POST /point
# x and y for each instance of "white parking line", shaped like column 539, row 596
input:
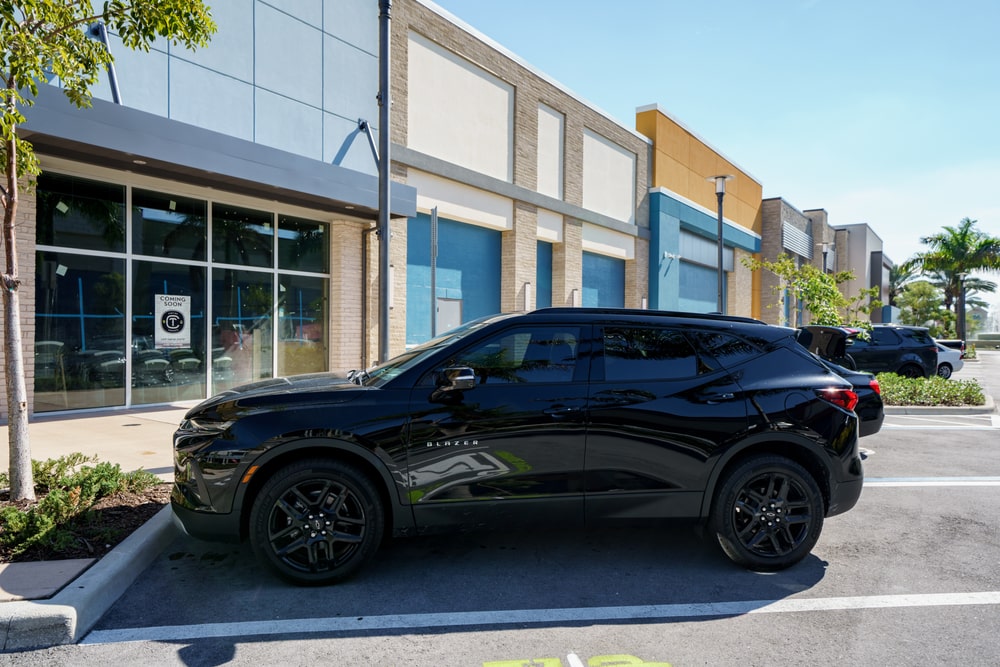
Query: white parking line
column 395, row 622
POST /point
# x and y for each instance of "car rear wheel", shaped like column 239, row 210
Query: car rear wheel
column 768, row 513
column 944, row 370
column 316, row 522
column 911, row 371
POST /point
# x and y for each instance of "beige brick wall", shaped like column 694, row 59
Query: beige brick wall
column 530, row 91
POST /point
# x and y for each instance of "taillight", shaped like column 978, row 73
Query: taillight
column 844, row 398
column 873, row 383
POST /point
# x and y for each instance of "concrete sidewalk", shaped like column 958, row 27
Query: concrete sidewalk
column 38, row 607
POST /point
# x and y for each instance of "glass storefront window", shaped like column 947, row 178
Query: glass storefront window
column 168, row 332
column 241, row 327
column 78, row 213
column 303, row 245
column 168, row 226
column 80, row 346
column 94, row 350
column 242, row 236
column 302, row 324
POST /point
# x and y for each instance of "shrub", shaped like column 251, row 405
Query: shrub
column 897, row 390
column 69, row 489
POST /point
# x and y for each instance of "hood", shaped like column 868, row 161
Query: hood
column 315, row 387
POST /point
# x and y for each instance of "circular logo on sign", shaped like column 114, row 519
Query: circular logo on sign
column 172, row 321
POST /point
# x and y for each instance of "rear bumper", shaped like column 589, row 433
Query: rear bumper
column 845, row 495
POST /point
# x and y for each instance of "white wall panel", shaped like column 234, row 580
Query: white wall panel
column 551, row 130
column 604, row 241
column 608, row 178
column 458, row 112
column 550, row 226
column 461, row 202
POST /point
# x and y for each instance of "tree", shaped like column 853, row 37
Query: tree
column 818, row 291
column 920, row 304
column 957, row 252
column 43, row 40
column 900, row 276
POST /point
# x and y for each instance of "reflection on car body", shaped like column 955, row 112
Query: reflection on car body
column 564, row 416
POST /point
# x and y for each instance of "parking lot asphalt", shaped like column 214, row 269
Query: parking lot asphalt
column 71, row 601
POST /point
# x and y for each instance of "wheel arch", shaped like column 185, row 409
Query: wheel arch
column 397, row 517
column 791, row 448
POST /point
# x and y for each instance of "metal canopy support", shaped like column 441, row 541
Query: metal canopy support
column 99, row 32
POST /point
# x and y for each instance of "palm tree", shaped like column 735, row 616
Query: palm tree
column 954, row 254
column 900, row 276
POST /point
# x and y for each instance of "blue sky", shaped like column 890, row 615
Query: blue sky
column 879, row 111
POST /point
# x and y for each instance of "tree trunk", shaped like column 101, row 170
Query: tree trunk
column 22, row 484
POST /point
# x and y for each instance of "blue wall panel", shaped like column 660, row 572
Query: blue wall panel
column 543, row 275
column 603, row 281
column 468, row 268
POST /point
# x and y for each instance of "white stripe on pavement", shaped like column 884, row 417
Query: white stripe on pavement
column 309, row 626
column 932, row 481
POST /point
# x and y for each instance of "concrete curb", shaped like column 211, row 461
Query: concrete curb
column 987, row 408
column 75, row 610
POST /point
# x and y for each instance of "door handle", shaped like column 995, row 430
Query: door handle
column 715, row 399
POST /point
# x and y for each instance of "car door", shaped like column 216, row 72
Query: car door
column 879, row 354
column 510, row 449
column 659, row 408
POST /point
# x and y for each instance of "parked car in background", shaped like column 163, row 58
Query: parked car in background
column 955, row 344
column 561, row 416
column 829, row 345
column 949, row 360
column 893, row 348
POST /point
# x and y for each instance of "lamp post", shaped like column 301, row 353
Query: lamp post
column 720, row 192
column 960, row 324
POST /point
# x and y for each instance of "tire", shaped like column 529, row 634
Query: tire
column 316, row 522
column 944, row 370
column 911, row 371
column 768, row 513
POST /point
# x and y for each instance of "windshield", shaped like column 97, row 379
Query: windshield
column 379, row 375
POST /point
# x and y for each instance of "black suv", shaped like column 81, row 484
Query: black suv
column 893, row 348
column 566, row 416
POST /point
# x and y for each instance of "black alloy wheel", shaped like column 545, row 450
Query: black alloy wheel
column 316, row 522
column 768, row 513
column 911, row 371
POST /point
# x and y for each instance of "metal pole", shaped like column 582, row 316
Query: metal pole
column 434, row 256
column 720, row 306
column 961, row 307
column 385, row 104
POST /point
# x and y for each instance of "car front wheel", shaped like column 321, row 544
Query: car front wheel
column 316, row 522
column 768, row 513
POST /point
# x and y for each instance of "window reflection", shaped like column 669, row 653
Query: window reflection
column 79, row 213
column 241, row 327
column 168, row 226
column 242, row 236
column 302, row 245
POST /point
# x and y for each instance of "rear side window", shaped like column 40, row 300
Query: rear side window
column 919, row 336
column 648, row 353
column 882, row 336
column 726, row 349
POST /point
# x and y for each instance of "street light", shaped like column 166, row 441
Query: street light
column 720, row 192
column 960, row 325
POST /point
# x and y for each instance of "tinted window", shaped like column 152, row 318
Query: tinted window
column 882, row 336
column 653, row 353
column 727, row 350
column 919, row 336
column 537, row 354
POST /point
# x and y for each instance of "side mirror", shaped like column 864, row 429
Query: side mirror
column 458, row 378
